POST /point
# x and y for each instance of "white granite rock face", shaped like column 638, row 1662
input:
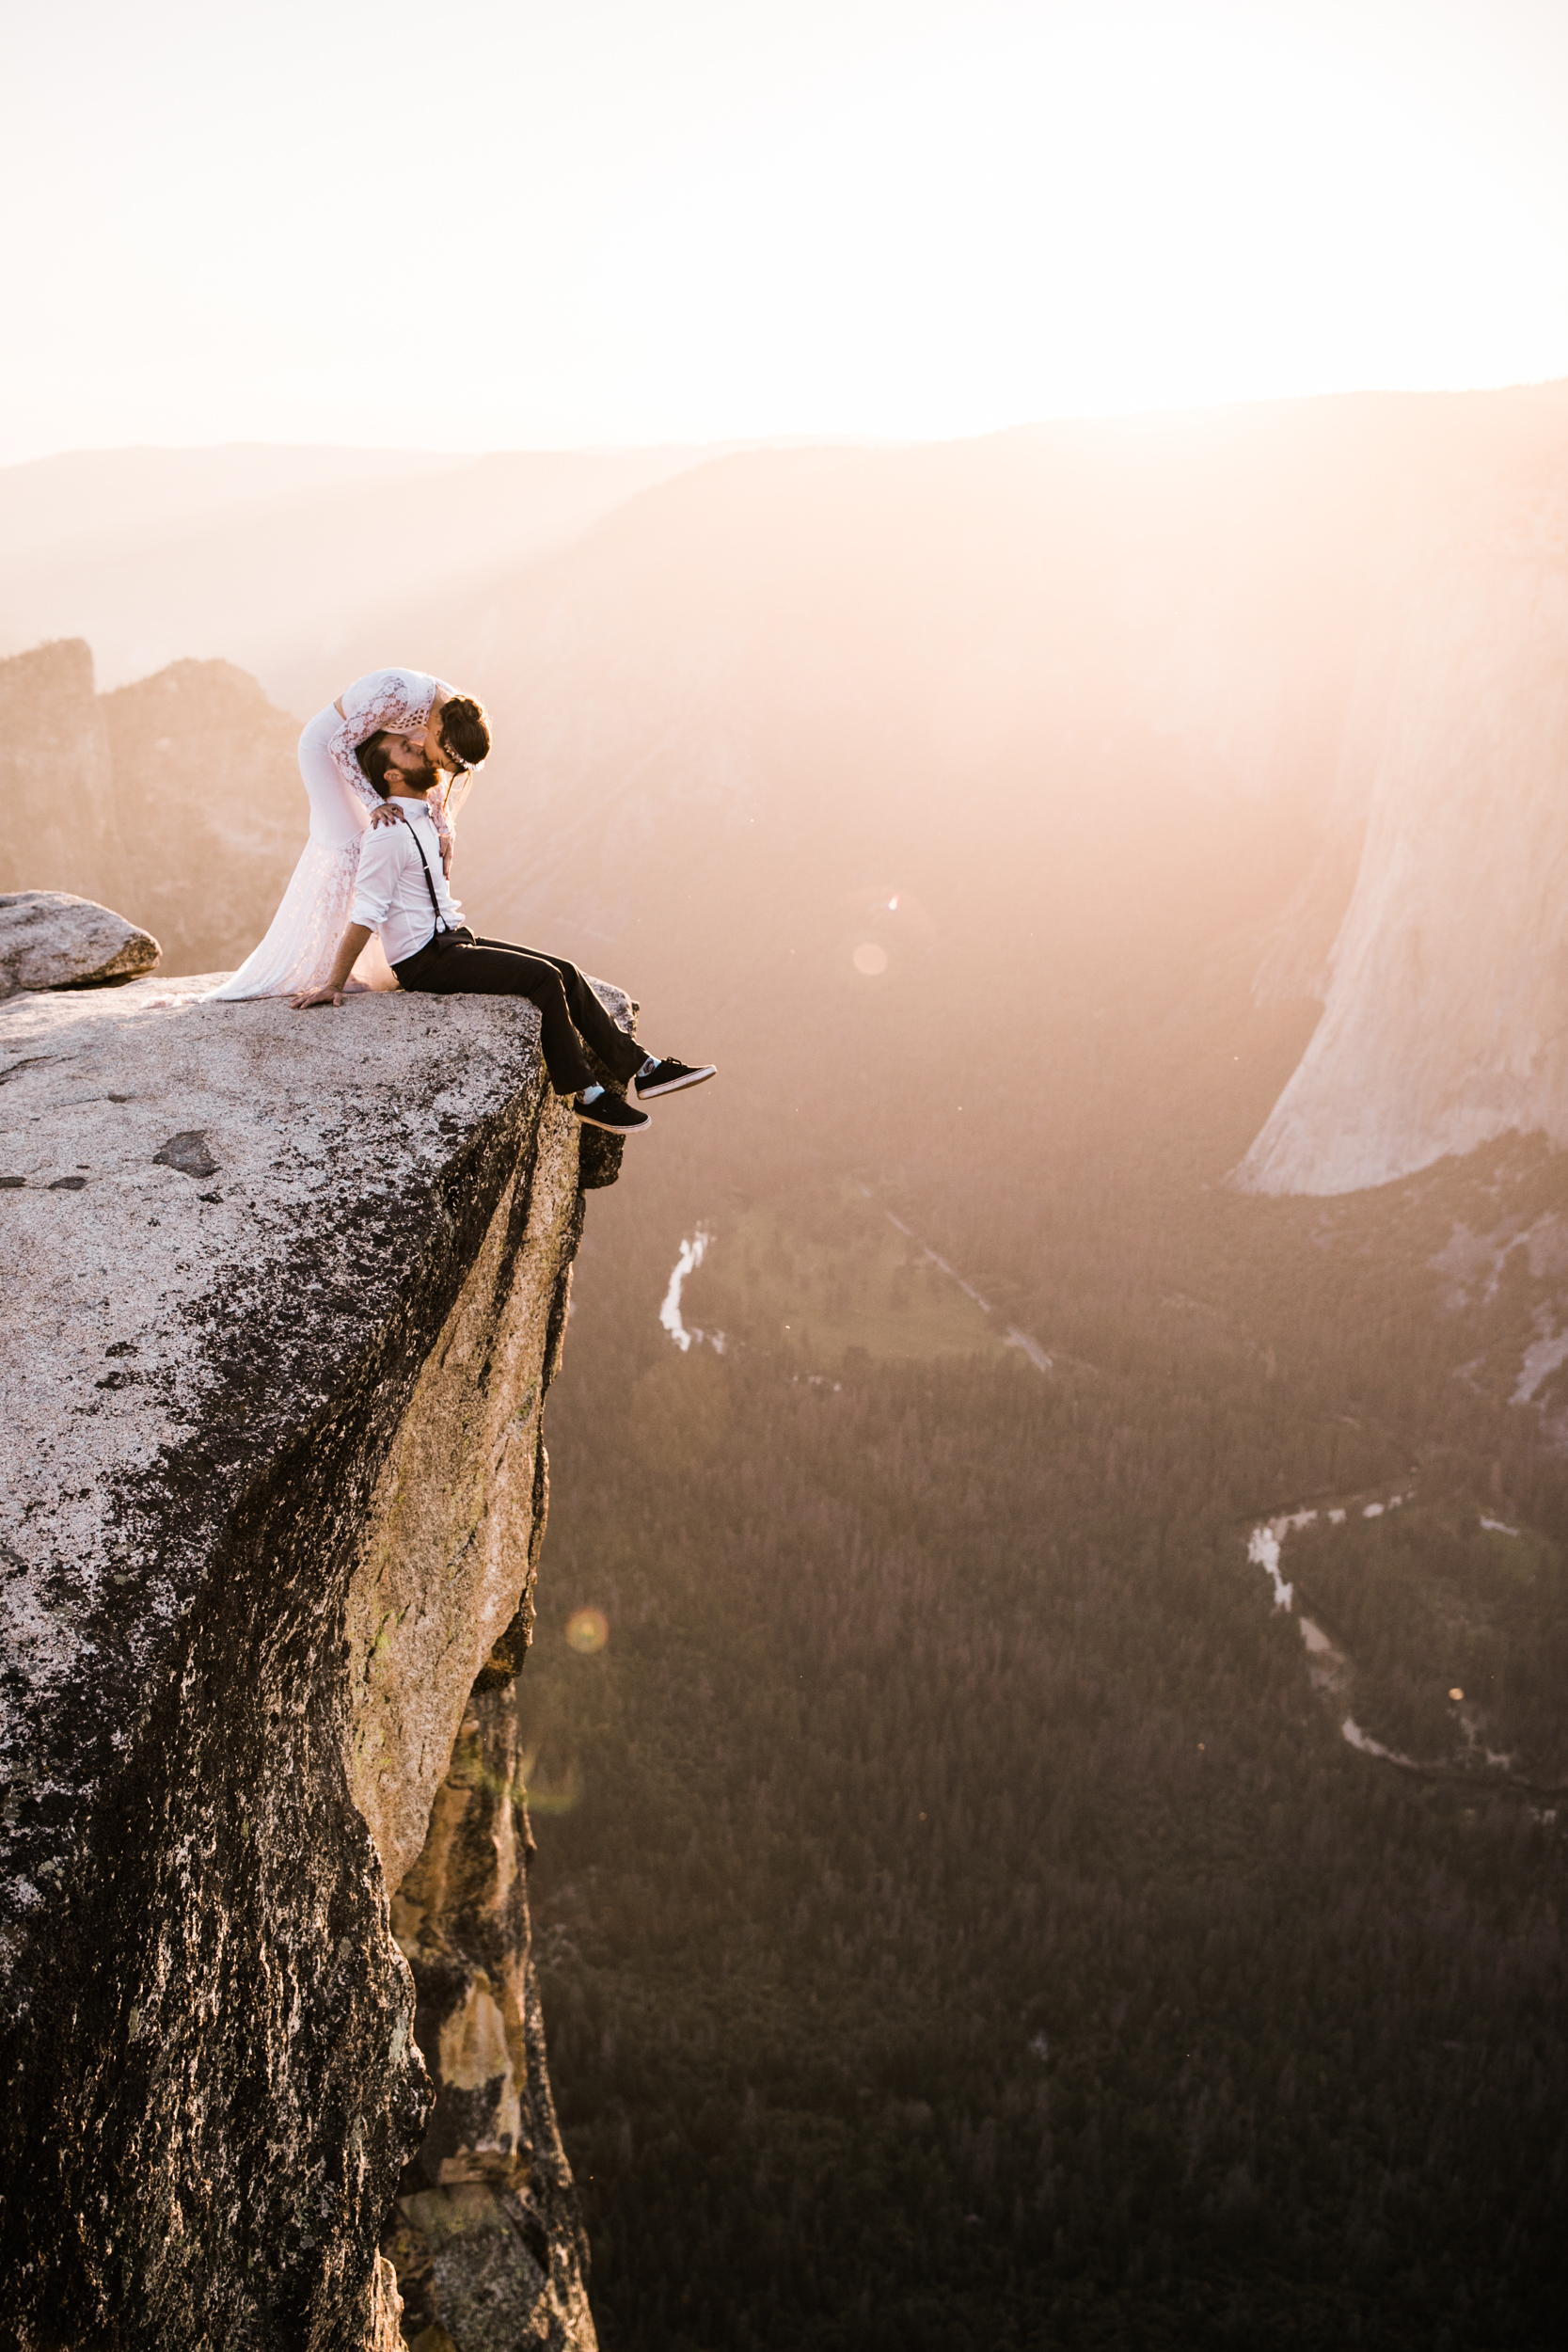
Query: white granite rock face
column 48, row 939
column 1445, row 1017
column 284, row 1294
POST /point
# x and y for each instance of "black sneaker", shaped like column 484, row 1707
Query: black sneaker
column 609, row 1111
column 669, row 1076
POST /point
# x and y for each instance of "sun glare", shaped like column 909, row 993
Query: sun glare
column 696, row 223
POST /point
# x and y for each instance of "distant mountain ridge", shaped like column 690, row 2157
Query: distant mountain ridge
column 1238, row 736
column 274, row 558
column 1283, row 685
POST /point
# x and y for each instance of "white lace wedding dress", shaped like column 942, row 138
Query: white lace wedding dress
column 302, row 938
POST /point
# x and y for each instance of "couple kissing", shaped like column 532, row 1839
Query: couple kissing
column 387, row 768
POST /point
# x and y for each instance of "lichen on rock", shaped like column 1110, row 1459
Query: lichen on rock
column 276, row 1487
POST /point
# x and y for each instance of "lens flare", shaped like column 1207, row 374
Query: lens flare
column 587, row 1629
column 1456, row 1693
column 870, row 959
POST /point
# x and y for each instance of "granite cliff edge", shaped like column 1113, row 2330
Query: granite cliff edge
column 284, row 1294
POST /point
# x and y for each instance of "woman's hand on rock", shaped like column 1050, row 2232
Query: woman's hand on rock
column 316, row 996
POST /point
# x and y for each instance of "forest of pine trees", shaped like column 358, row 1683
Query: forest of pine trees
column 961, row 1921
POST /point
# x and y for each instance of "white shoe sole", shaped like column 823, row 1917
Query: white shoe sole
column 676, row 1086
column 611, row 1126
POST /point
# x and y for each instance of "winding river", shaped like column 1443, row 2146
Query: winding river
column 692, row 1251
column 694, row 1248
column 1329, row 1666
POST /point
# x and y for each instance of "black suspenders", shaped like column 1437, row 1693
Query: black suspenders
column 442, row 926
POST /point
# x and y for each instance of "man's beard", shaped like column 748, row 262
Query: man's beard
column 418, row 776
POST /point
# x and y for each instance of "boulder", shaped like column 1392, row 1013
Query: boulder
column 48, row 939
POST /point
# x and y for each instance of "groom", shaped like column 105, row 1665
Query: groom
column 402, row 892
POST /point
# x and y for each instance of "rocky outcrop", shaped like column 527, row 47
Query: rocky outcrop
column 209, row 806
column 51, row 940
column 285, row 1294
column 179, row 798
column 56, row 781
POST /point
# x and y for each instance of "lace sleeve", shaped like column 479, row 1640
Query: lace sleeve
column 400, row 699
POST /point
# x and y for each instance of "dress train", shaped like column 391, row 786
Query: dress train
column 301, row 941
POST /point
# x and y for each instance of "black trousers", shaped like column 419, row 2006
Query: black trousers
column 458, row 964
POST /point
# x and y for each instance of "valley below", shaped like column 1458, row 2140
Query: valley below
column 1116, row 870
column 953, row 1803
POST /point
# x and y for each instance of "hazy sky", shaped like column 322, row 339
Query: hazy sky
column 502, row 222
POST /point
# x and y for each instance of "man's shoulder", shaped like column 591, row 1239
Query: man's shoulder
column 388, row 844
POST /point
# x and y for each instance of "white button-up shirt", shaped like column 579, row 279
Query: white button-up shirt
column 389, row 894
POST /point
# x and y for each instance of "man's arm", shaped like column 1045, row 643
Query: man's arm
column 355, row 938
column 382, row 857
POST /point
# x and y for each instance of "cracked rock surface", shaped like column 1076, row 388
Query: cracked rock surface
column 284, row 1295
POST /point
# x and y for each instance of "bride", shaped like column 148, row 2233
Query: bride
column 429, row 715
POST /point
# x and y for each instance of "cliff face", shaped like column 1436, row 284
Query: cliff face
column 177, row 799
column 55, row 775
column 485, row 2236
column 1445, row 988
column 285, row 1294
column 210, row 807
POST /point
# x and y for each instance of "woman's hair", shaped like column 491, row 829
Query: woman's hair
column 464, row 731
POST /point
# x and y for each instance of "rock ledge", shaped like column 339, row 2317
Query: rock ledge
column 285, row 1294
